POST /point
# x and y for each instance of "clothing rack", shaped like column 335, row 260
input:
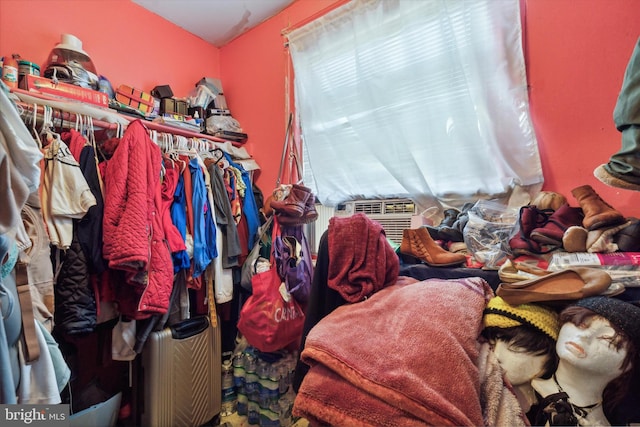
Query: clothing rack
column 69, row 119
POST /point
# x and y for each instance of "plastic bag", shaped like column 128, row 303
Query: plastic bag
column 201, row 96
column 488, row 230
column 222, row 123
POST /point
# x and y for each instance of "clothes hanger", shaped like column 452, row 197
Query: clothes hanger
column 46, row 129
column 35, row 133
column 91, row 134
column 153, row 136
column 165, row 147
column 217, row 154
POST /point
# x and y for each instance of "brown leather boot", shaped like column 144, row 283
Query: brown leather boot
column 310, row 214
column 418, row 243
column 552, row 232
column 597, row 212
column 530, row 218
column 294, row 204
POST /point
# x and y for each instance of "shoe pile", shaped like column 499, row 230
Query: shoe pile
column 573, row 229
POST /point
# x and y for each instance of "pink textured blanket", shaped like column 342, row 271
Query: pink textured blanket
column 407, row 353
column 361, row 260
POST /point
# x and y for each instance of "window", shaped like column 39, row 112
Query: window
column 424, row 99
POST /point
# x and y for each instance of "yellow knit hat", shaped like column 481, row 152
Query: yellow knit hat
column 502, row 315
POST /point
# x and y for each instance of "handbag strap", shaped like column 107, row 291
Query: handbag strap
column 275, row 231
column 262, row 232
column 23, row 285
column 289, row 150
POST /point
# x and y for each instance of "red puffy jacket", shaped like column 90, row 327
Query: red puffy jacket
column 134, row 238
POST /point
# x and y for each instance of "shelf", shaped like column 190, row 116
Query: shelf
column 104, row 118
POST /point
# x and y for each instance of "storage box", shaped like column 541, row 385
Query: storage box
column 135, row 98
column 173, row 106
column 33, row 83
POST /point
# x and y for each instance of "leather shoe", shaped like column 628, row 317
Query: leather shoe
column 568, row 284
column 628, row 239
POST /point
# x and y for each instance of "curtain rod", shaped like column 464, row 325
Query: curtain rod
column 285, row 32
column 60, row 114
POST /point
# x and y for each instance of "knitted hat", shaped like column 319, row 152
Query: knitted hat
column 624, row 315
column 502, row 315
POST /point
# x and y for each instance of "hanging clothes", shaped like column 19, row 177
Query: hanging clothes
column 134, row 237
column 249, row 208
column 169, row 184
column 178, row 212
column 65, row 193
column 20, row 159
column 89, row 228
column 204, row 233
column 231, row 249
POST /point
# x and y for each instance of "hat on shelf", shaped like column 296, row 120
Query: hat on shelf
column 71, row 42
column 70, row 49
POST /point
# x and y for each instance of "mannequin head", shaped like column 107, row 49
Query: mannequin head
column 602, row 334
column 523, row 338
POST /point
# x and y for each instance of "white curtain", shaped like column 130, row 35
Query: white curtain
column 425, row 99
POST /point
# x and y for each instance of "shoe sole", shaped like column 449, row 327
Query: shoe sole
column 411, row 259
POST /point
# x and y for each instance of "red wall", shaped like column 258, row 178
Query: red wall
column 576, row 55
column 127, row 44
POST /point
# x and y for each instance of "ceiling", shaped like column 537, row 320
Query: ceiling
column 215, row 21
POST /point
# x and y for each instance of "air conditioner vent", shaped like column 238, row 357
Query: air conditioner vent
column 400, row 207
column 393, row 214
column 368, row 207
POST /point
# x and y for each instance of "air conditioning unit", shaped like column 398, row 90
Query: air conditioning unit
column 393, row 214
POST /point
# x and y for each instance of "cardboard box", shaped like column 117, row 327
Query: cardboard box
column 46, row 86
column 136, row 98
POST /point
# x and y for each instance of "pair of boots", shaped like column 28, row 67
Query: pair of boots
column 297, row 208
column 542, row 231
column 530, row 218
column 417, row 244
column 451, row 228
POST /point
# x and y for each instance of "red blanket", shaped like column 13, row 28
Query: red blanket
column 362, row 261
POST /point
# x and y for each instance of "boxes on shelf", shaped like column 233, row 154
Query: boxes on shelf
column 135, row 98
column 173, row 106
column 43, row 85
